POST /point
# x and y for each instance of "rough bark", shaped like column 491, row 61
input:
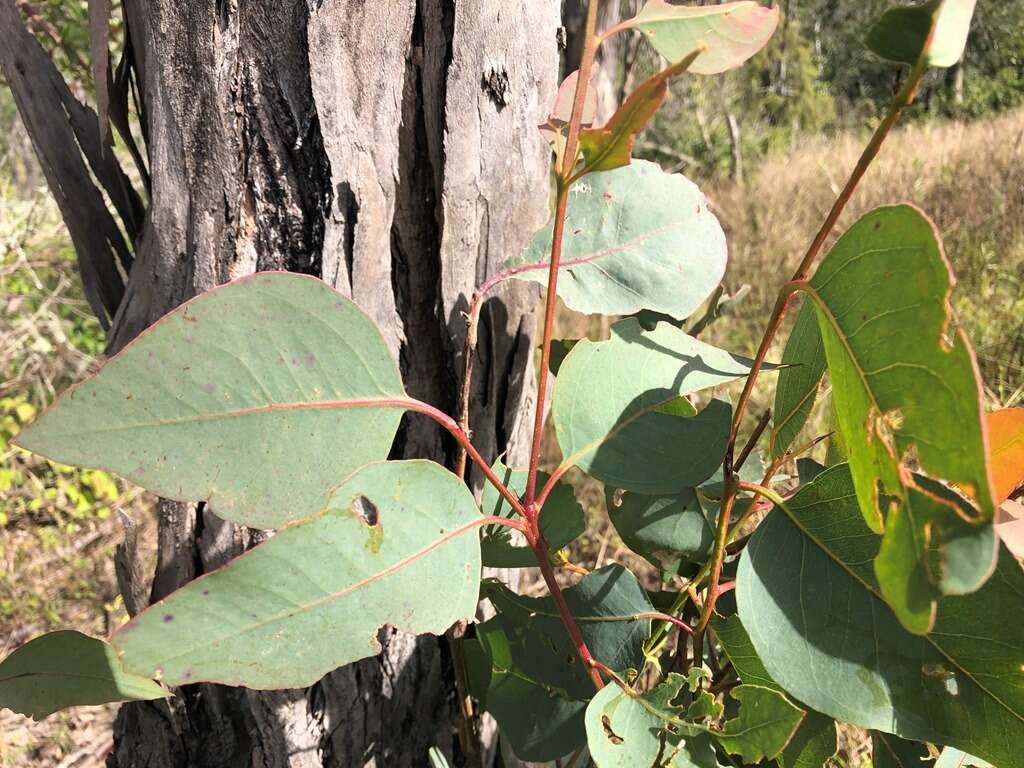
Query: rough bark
column 66, row 139
column 388, row 147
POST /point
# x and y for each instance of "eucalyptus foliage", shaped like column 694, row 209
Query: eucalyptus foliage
column 872, row 591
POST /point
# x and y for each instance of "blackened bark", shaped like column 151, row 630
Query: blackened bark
column 390, row 148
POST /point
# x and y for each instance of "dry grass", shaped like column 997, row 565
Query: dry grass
column 968, row 177
column 57, row 530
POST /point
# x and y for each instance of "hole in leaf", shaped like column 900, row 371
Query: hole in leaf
column 947, row 677
column 365, row 510
column 606, row 724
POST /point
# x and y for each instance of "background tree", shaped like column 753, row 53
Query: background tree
column 388, row 148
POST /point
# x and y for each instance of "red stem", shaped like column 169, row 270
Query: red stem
column 540, row 549
column 669, row 618
column 561, row 205
column 442, row 418
column 545, row 358
column 901, row 101
column 560, row 470
column 499, row 520
column 718, row 556
column 531, row 510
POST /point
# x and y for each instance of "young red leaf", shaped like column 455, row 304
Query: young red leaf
column 1006, row 451
column 553, row 129
column 611, row 147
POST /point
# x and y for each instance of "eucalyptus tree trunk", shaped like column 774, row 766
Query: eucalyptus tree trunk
column 386, row 146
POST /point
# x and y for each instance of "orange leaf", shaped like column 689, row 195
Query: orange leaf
column 1006, row 451
column 1010, row 527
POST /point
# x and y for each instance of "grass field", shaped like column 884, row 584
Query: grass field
column 58, row 526
column 968, row 178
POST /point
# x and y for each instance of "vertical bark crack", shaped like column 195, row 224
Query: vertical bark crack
column 416, row 233
column 285, row 163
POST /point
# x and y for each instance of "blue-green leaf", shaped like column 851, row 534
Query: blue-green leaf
column 808, row 598
column 397, row 544
column 257, row 397
column 65, row 669
column 635, row 238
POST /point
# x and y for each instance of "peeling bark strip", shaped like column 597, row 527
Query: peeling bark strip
column 386, row 146
column 62, row 130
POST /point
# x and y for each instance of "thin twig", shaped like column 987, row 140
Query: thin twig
column 715, row 571
column 899, row 103
column 561, row 206
column 754, row 437
column 530, row 509
column 902, row 100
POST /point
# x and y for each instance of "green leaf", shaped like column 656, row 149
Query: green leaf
column 609, row 414
column 730, row 33
column 540, row 723
column 799, row 379
column 808, row 597
column 737, row 646
column 538, row 687
column 889, row 751
column 238, row 398
column 666, row 530
column 65, row 669
column 905, row 34
column 813, row 745
column 605, row 603
column 765, row 725
column 625, row 731
column 928, row 550
column 635, row 238
column 705, row 707
column 561, row 519
column 611, row 146
column 906, row 392
column 808, row 469
column 816, row 740
column 395, row 545
column 560, row 349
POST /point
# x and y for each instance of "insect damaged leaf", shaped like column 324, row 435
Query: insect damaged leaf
column 813, row 608
column 906, row 394
column 397, row 544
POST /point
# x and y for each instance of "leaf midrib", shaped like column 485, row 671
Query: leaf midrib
column 391, row 402
column 303, row 608
column 609, row 251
